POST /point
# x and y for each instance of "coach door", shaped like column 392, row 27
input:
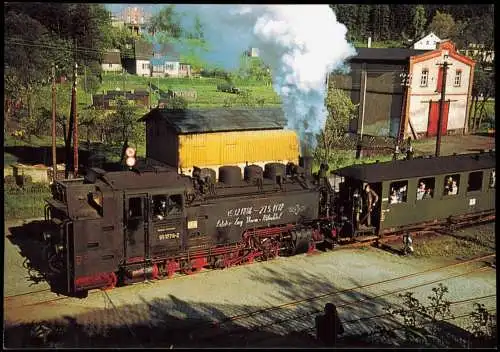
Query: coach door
column 136, row 226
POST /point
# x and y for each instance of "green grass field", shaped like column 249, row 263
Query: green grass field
column 206, row 89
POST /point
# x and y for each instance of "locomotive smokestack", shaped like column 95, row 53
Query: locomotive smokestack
column 306, row 162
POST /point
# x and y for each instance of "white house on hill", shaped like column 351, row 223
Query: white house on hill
column 429, row 42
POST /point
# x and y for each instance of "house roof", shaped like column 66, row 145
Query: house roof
column 143, row 50
column 166, row 52
column 418, row 167
column 219, row 119
column 424, row 36
column 385, row 54
column 111, row 57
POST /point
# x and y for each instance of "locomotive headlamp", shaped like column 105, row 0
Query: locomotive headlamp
column 130, row 153
column 130, row 161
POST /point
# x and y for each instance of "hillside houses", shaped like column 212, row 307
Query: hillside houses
column 145, row 59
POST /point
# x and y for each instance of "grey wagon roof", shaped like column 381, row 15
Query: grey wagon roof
column 219, row 119
column 418, row 167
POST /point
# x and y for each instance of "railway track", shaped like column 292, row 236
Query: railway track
column 299, row 315
column 46, row 296
column 279, row 316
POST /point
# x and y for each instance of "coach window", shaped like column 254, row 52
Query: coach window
column 398, row 192
column 425, row 188
column 134, row 207
column 475, row 181
column 451, row 185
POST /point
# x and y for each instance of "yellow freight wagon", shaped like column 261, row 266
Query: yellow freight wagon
column 215, row 137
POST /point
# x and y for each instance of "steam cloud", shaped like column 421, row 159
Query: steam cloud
column 301, row 44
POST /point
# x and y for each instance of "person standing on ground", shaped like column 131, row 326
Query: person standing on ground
column 329, row 326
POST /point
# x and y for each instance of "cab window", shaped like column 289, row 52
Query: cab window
column 492, row 179
column 135, row 207
column 95, row 200
column 166, row 205
column 475, row 181
column 451, row 185
column 398, row 192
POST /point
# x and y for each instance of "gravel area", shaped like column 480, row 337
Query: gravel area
column 359, row 281
column 217, row 295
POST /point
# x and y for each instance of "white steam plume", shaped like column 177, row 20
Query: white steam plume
column 301, row 44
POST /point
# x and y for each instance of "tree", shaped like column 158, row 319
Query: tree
column 341, row 111
column 443, row 25
column 167, row 21
column 419, row 21
column 482, row 87
column 198, row 30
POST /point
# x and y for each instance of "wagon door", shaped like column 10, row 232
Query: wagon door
column 136, row 226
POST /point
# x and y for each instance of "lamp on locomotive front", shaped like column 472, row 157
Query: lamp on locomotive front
column 130, row 154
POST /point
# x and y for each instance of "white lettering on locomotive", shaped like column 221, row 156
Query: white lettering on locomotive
column 168, row 236
column 268, row 212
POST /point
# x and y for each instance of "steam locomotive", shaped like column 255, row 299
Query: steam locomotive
column 116, row 228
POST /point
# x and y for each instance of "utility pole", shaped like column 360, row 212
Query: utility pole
column 361, row 115
column 54, row 148
column 445, row 65
column 75, row 125
column 85, row 77
column 123, row 79
column 405, row 83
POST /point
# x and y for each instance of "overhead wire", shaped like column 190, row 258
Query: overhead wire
column 337, row 292
column 357, row 302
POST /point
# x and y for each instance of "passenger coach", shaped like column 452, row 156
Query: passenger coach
column 419, row 191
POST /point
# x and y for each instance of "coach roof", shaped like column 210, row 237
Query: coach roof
column 219, row 119
column 418, row 167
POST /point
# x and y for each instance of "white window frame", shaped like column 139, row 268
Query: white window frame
column 458, row 78
column 424, row 78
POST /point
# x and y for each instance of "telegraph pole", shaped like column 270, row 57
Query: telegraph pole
column 54, row 148
column 445, row 65
column 75, row 125
column 361, row 115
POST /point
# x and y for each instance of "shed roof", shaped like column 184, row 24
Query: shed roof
column 111, row 57
column 418, row 167
column 219, row 119
column 385, row 54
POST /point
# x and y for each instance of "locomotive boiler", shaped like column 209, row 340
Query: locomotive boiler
column 115, row 228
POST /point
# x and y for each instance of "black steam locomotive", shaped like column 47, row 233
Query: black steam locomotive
column 120, row 227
